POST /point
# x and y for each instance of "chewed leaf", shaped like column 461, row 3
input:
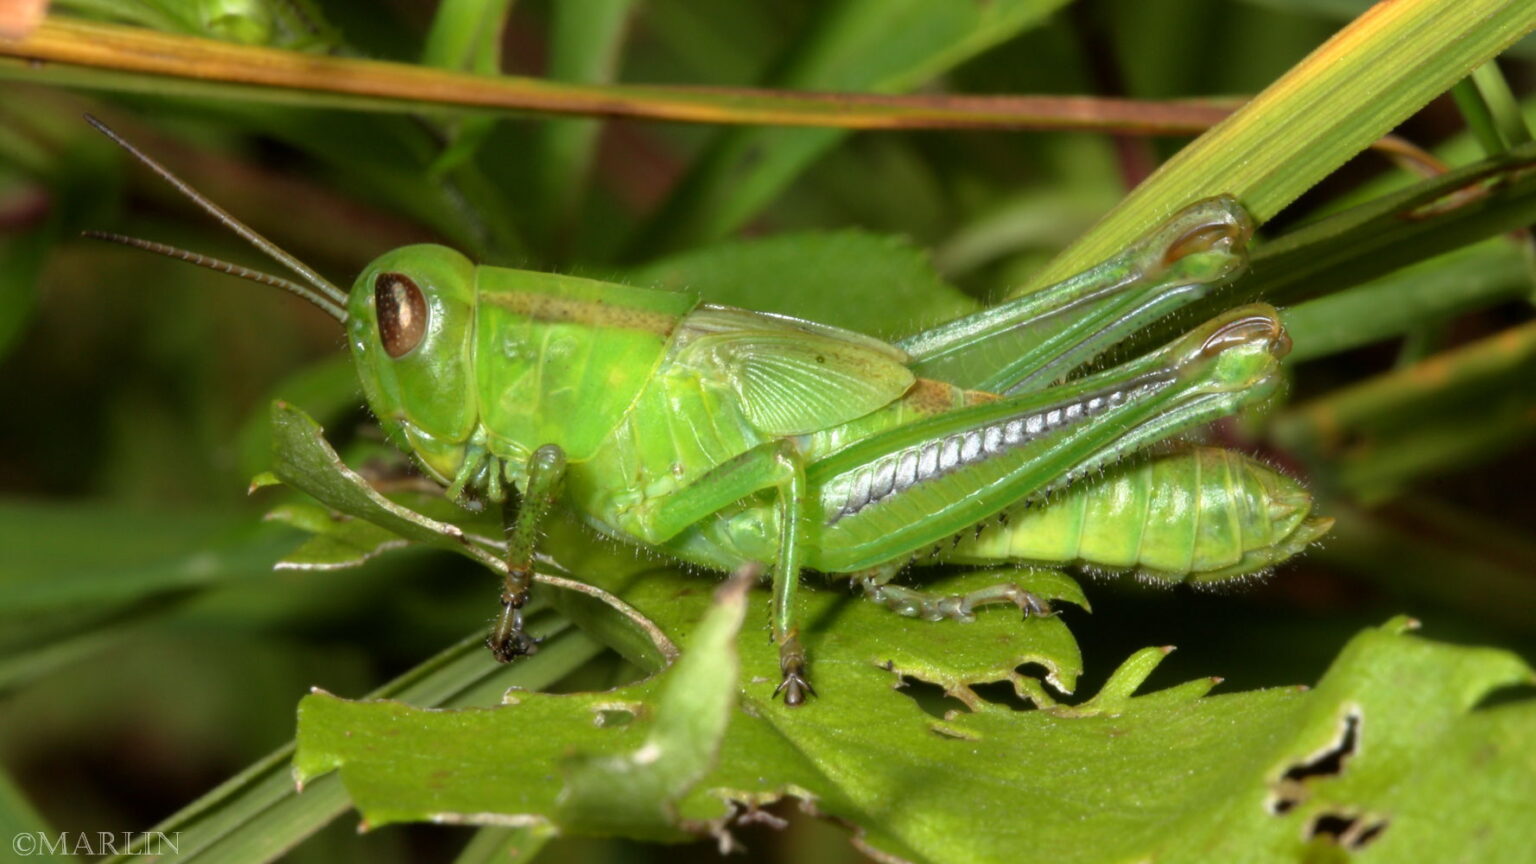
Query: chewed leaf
column 1123, row 683
column 620, row 775
column 957, row 655
column 692, row 709
column 1167, row 775
column 1273, row 775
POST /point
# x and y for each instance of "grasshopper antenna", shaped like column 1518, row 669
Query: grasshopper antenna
column 323, row 294
column 322, row 300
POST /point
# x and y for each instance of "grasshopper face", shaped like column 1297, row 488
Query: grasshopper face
column 410, row 322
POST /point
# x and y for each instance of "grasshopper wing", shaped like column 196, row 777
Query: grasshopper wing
column 793, row 382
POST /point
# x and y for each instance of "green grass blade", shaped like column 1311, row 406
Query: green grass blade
column 64, row 559
column 466, row 34
column 496, row 845
column 1481, row 379
column 1474, row 109
column 1368, row 78
column 22, row 828
column 1478, row 277
column 257, row 815
column 1501, row 101
column 1343, row 10
column 585, row 40
column 1366, row 242
column 881, row 46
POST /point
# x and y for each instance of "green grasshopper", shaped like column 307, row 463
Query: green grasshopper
column 721, row 436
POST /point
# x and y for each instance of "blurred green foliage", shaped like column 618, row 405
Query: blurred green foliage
column 148, row 651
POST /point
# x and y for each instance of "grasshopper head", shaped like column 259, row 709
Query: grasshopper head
column 410, row 322
column 409, row 318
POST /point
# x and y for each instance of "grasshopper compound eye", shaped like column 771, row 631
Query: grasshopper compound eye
column 402, row 313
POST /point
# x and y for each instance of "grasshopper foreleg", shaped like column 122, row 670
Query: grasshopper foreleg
column 546, row 470
column 936, row 607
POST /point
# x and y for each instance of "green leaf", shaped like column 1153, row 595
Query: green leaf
column 867, row 645
column 585, row 41
column 303, row 460
column 883, row 286
column 635, row 793
column 653, row 741
column 1272, row 775
column 336, row 542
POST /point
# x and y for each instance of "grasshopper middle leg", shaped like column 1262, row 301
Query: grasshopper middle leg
column 776, row 465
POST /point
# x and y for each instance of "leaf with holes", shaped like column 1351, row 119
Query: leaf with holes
column 1270, row 775
column 624, row 757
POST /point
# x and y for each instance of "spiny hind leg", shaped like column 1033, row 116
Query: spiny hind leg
column 935, row 606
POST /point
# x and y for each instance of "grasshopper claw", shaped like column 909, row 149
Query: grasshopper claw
column 795, row 688
column 517, row 645
column 1034, row 606
column 793, row 684
column 508, row 641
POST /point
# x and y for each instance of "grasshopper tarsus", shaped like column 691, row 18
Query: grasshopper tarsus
column 795, row 688
column 508, row 641
column 793, row 683
column 1034, row 606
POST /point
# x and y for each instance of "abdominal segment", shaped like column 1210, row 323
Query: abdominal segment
column 1201, row 515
